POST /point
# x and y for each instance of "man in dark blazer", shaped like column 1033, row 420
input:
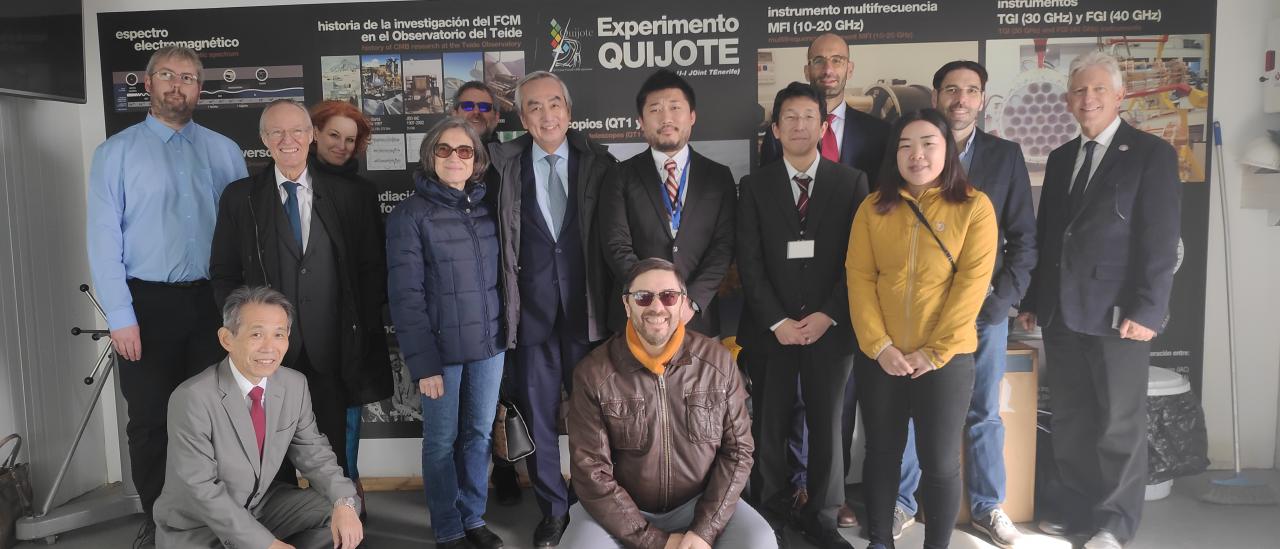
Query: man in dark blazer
column 670, row 202
column 996, row 167
column 793, row 233
column 230, row 428
column 855, row 139
column 553, row 278
column 1107, row 232
column 312, row 236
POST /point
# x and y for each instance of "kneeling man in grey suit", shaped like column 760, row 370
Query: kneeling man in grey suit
column 229, row 429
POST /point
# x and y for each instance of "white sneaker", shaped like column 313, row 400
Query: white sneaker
column 1103, row 540
column 997, row 526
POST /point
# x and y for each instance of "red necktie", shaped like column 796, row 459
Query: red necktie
column 259, row 417
column 802, row 204
column 673, row 188
column 830, row 150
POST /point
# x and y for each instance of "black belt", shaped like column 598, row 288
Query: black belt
column 183, row 284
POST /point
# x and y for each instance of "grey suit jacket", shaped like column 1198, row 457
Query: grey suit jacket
column 214, row 479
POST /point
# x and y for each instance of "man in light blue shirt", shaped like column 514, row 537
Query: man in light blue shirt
column 152, row 201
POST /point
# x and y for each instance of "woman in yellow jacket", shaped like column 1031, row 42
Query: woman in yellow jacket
column 921, row 253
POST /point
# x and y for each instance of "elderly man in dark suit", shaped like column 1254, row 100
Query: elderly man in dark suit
column 855, row 139
column 553, row 278
column 793, row 235
column 670, row 202
column 1107, row 232
column 996, row 167
column 310, row 235
column 230, row 428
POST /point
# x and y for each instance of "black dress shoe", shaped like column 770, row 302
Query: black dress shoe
column 460, row 543
column 1058, row 527
column 483, row 538
column 548, row 532
column 506, row 487
column 822, row 537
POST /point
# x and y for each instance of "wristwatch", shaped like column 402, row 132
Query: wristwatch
column 349, row 502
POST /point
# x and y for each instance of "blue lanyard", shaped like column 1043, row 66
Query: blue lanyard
column 673, row 211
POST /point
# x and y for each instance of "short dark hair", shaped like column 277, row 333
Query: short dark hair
column 954, row 186
column 426, row 151
column 663, row 79
column 472, row 85
column 252, row 295
column 974, row 66
column 799, row 90
column 650, row 264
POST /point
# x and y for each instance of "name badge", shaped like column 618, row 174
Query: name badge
column 800, row 249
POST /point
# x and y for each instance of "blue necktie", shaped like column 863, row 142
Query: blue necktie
column 557, row 195
column 291, row 209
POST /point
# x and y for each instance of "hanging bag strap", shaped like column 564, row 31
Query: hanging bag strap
column 924, row 220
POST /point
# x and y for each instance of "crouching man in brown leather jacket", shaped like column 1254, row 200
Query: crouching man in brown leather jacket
column 659, row 436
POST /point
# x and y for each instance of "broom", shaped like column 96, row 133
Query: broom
column 1239, row 489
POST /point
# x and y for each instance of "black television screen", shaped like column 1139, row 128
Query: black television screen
column 42, row 50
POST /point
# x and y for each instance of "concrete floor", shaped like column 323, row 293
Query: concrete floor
column 400, row 520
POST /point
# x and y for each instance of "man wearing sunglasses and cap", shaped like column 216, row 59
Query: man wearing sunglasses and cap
column 659, row 435
column 475, row 103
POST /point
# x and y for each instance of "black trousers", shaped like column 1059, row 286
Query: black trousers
column 179, row 332
column 1098, row 394
column 937, row 402
column 821, row 373
column 329, row 403
column 541, row 371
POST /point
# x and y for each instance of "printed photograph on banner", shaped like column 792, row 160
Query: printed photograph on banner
column 502, row 69
column 340, row 78
column 880, row 84
column 399, row 416
column 460, row 68
column 1166, row 80
column 423, row 83
column 381, row 85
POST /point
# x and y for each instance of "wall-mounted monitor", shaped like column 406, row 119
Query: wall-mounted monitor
column 42, row 50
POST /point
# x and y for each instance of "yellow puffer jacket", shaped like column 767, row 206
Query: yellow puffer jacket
column 901, row 288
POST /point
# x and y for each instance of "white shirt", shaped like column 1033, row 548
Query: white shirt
column 542, row 180
column 245, row 386
column 305, row 194
column 811, row 171
column 837, row 125
column 1103, row 141
column 682, row 163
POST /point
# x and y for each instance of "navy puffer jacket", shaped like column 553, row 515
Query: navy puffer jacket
column 442, row 277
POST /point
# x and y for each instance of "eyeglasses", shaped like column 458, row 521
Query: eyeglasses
column 644, row 298
column 296, row 133
column 186, row 78
column 836, row 61
column 469, row 106
column 464, row 151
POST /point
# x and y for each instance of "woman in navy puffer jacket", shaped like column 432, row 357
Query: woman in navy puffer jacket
column 442, row 284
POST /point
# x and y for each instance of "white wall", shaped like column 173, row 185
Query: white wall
column 1237, row 103
column 42, row 254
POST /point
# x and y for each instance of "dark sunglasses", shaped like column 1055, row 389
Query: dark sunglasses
column 464, row 151
column 469, row 106
column 644, row 298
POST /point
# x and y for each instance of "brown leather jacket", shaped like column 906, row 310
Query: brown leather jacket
column 640, row 441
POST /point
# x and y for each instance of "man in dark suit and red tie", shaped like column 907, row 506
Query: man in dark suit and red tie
column 794, row 218
column 670, row 202
column 1107, row 232
column 855, row 139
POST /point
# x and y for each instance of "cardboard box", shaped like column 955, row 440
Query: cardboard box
column 1019, row 392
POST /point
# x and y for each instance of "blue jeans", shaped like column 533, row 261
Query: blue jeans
column 455, row 446
column 984, row 451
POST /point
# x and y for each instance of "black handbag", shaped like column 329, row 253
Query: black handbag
column 511, row 439
column 15, row 492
